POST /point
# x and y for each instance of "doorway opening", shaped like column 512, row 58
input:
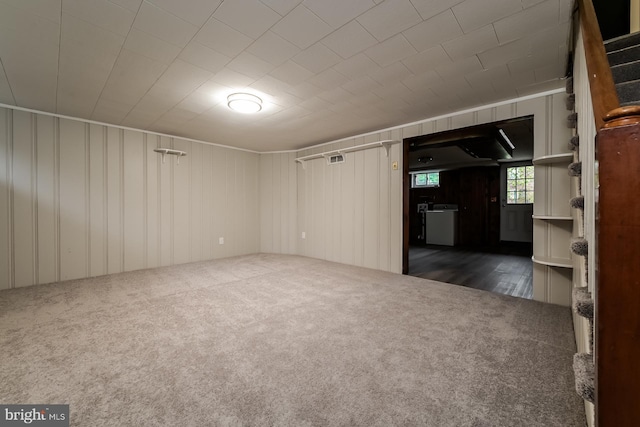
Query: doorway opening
column 468, row 205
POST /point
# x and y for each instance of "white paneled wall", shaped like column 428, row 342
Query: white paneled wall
column 352, row 212
column 278, row 203
column 79, row 199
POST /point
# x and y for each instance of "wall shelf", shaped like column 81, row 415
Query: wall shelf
column 553, row 158
column 386, row 144
column 165, row 151
column 553, row 217
column 552, row 262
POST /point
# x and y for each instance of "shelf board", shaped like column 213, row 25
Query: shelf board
column 552, row 262
column 553, row 217
column 553, row 158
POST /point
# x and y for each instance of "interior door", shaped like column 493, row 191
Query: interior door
column 516, row 207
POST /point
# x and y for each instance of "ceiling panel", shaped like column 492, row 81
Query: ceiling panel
column 390, row 18
column 349, row 40
column 473, row 14
column 6, row 97
column 272, row 48
column 250, row 17
column 317, row 58
column 391, row 50
column 338, row 12
column 528, row 21
column 302, row 27
column 194, row 11
column 203, row 57
column 476, row 41
column 163, row 25
column 282, row 6
column 145, row 44
column 324, row 68
column 222, row 38
column 434, row 31
column 101, row 13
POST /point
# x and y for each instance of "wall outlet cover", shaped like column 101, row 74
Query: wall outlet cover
column 221, row 240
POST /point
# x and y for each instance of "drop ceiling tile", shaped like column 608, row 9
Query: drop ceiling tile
column 528, row 21
column 291, row 73
column 539, row 58
column 107, row 112
column 197, row 102
column 485, row 77
column 250, row 17
column 440, row 28
column 140, row 119
column 304, row 90
column 282, row 6
column 505, row 53
column 222, row 38
column 145, row 44
column 549, row 72
column 269, row 85
column 194, row 11
column 203, row 57
column 132, row 76
column 473, row 14
column 522, row 79
column 389, row 18
column 6, row 97
column 183, row 78
column 82, row 61
column 232, row 79
column 429, row 8
column 165, row 26
column 328, row 79
column 349, row 40
column 540, row 87
column 46, row 9
column 317, row 58
column 101, row 13
column 315, row 104
column 472, row 43
column 460, row 67
column 132, row 5
column 390, row 74
column 23, row 30
column 391, row 50
column 338, row 12
column 302, row 27
column 335, row 95
column 250, row 65
column 272, row 48
column 418, row 83
column 356, row 66
column 362, row 85
column 91, row 37
column 427, row 60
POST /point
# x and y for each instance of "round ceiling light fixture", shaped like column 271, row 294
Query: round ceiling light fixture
column 244, row 103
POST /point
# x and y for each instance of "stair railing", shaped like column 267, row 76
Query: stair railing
column 617, row 292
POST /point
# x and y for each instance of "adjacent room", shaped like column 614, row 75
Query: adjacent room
column 252, row 212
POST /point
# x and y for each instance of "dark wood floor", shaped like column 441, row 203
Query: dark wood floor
column 506, row 270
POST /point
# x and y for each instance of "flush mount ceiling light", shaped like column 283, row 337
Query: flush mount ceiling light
column 244, row 103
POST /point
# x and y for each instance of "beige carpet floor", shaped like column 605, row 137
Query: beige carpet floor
column 264, row 340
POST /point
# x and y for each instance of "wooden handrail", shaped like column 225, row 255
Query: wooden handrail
column 603, row 91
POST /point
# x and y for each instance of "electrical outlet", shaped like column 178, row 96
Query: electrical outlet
column 304, row 235
column 394, row 166
column 221, row 240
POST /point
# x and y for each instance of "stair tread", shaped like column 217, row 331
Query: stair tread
column 626, row 72
column 629, row 92
column 622, row 56
column 622, row 42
